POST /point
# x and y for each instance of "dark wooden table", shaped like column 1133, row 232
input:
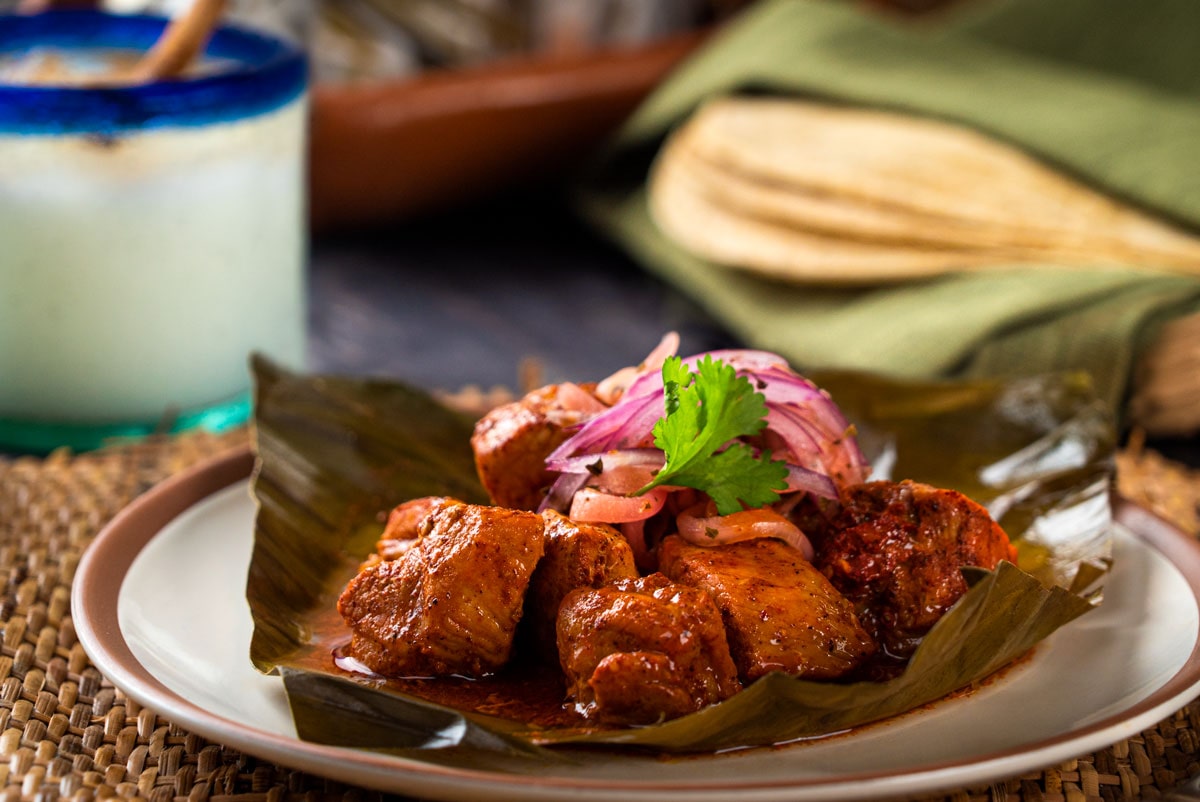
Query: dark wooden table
column 463, row 297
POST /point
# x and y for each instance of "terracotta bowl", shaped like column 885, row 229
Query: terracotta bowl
column 384, row 151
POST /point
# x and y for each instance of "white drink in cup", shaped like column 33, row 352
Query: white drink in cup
column 151, row 237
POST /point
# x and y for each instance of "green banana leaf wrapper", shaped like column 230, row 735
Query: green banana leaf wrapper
column 336, row 454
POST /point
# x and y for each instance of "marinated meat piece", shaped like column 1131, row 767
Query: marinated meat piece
column 577, row 555
column 643, row 650
column 512, row 441
column 897, row 549
column 450, row 604
column 402, row 525
column 780, row 612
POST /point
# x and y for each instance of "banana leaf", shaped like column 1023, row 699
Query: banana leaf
column 336, row 453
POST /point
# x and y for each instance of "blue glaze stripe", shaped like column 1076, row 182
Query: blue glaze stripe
column 41, row 437
column 268, row 74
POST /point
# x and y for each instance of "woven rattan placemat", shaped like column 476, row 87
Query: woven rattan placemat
column 65, row 732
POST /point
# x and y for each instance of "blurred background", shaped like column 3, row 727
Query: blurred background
column 448, row 140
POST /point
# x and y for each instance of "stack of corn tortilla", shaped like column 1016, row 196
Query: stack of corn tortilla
column 811, row 192
column 814, row 193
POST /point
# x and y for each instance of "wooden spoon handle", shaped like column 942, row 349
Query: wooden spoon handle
column 180, row 43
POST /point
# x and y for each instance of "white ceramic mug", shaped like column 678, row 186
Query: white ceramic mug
column 151, row 237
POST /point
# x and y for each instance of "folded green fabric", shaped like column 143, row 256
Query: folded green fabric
column 1107, row 91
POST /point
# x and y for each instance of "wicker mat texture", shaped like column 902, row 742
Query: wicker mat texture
column 65, row 732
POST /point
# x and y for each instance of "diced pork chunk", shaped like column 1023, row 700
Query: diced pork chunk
column 577, row 555
column 780, row 613
column 643, row 650
column 451, row 604
column 403, row 525
column 512, row 441
column 897, row 551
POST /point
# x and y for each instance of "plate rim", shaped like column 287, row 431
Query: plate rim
column 113, row 550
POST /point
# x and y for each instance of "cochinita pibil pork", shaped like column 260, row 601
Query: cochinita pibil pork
column 647, row 539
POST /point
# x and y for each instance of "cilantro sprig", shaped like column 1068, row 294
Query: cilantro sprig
column 706, row 412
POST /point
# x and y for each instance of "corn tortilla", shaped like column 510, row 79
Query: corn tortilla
column 871, row 174
column 714, row 232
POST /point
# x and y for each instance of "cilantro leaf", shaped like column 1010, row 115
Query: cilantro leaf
column 705, row 412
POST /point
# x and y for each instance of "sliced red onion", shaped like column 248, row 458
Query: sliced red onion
column 562, row 491
column 594, row 506
column 797, row 434
column 834, row 453
column 716, row 530
column 611, row 389
column 786, row 391
column 629, row 424
column 743, row 359
column 812, row 435
column 625, row 480
column 805, row 480
column 602, row 461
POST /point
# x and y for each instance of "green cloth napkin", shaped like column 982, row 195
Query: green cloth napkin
column 1106, row 90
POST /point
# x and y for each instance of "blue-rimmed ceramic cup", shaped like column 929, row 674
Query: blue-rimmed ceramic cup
column 151, row 237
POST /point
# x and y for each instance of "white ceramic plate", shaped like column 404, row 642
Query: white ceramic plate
column 158, row 605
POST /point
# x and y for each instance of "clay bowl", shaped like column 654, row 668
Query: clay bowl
column 384, row 151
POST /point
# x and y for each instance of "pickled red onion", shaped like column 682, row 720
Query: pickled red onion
column 696, row 527
column 813, row 432
column 595, row 506
column 611, row 452
column 610, row 389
